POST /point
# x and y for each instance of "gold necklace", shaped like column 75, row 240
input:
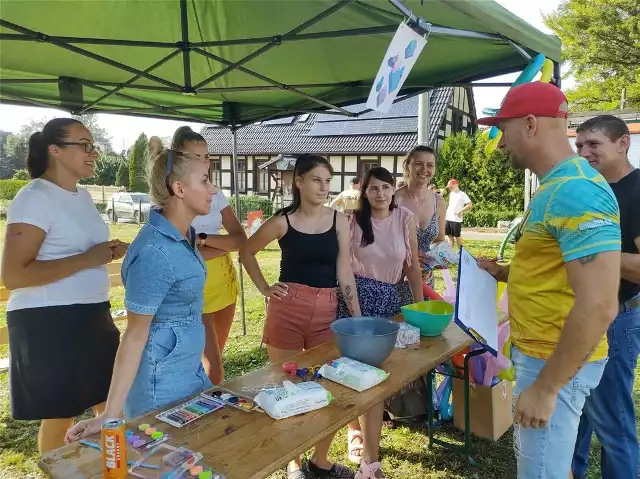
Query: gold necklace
column 415, row 200
column 305, row 219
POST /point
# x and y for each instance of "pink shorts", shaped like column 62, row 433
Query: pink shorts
column 301, row 319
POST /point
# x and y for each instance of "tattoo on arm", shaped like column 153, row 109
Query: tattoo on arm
column 587, row 259
column 348, row 296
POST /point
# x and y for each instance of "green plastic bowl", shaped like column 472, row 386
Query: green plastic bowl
column 431, row 317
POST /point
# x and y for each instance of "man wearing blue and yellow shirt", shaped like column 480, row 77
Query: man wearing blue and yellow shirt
column 562, row 282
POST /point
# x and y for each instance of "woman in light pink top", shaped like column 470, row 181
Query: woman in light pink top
column 384, row 248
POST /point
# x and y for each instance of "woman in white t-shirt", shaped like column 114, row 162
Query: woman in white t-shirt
column 62, row 338
column 221, row 288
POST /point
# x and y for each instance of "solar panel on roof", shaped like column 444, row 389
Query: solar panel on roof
column 365, row 127
column 280, row 121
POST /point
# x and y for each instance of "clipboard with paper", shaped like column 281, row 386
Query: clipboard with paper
column 476, row 311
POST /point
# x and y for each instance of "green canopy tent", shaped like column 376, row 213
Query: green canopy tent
column 235, row 62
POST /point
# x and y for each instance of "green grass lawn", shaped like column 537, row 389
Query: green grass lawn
column 403, row 448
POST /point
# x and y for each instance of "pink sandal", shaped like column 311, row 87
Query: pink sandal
column 370, row 471
column 355, row 450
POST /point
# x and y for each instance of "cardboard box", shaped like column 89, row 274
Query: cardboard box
column 490, row 408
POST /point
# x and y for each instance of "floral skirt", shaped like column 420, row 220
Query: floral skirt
column 376, row 298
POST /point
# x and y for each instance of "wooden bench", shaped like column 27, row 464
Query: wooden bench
column 114, row 277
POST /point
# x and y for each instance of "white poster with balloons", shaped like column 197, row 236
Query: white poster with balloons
column 401, row 55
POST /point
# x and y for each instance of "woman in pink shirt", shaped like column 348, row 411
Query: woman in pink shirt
column 384, row 248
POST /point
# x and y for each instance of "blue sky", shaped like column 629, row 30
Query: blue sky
column 124, row 130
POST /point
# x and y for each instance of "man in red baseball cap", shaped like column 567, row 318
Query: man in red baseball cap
column 562, row 282
column 459, row 203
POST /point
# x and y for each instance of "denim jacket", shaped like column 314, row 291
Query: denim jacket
column 164, row 277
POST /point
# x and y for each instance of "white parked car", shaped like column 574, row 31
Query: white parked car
column 130, row 206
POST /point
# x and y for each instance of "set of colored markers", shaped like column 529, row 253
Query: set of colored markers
column 190, row 411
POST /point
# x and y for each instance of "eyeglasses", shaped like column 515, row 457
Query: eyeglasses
column 88, row 147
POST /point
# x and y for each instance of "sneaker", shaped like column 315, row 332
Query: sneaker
column 297, row 474
column 337, row 471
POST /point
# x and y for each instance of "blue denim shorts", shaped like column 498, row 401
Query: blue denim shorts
column 546, row 453
column 170, row 368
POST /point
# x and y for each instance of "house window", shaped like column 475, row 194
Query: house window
column 242, row 176
column 366, row 165
column 216, row 173
column 456, row 122
column 260, row 178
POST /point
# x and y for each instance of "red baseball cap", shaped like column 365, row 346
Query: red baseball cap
column 536, row 98
column 452, row 182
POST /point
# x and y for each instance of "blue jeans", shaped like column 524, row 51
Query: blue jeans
column 545, row 453
column 610, row 410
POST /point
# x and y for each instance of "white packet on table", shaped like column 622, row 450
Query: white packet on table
column 407, row 335
column 441, row 255
column 293, row 399
column 353, row 374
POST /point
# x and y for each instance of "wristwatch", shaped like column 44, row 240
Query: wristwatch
column 203, row 238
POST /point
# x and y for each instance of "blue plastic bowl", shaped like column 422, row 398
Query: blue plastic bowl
column 431, row 317
column 365, row 339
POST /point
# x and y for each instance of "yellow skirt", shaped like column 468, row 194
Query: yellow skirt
column 221, row 287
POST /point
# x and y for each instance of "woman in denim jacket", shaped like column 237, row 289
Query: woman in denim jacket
column 159, row 359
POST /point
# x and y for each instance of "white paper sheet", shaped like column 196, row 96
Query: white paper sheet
column 396, row 65
column 476, row 306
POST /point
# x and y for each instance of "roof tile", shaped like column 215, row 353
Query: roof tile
column 372, row 132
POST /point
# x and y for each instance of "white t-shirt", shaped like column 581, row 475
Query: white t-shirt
column 212, row 222
column 72, row 226
column 457, row 201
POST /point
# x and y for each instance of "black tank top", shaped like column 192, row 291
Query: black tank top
column 309, row 259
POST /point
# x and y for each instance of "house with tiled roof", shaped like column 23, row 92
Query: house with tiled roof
column 267, row 150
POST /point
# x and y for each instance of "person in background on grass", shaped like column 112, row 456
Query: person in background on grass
column 459, row 203
column 347, row 201
column 428, row 207
column 303, row 303
column 384, row 249
column 604, row 142
column 562, row 282
column 221, row 288
column 63, row 339
column 159, row 360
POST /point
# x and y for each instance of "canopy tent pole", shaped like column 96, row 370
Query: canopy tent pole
column 527, row 188
column 424, row 118
column 236, row 177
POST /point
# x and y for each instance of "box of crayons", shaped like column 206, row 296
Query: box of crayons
column 190, row 411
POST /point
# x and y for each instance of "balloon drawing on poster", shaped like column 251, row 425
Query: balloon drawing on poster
column 403, row 51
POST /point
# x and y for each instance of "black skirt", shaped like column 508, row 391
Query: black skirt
column 61, row 359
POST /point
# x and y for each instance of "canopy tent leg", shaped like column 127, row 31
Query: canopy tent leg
column 424, row 118
column 234, row 133
column 527, row 188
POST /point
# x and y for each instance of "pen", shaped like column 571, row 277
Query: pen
column 97, row 447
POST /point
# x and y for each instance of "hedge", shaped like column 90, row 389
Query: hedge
column 487, row 216
column 252, row 203
column 9, row 188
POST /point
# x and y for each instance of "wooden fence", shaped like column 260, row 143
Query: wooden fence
column 101, row 194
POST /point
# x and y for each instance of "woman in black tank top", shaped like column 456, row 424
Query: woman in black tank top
column 315, row 244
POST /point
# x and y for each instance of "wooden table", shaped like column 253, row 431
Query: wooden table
column 252, row 445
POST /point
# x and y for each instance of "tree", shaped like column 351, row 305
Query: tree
column 100, row 135
column 454, row 160
column 16, row 148
column 496, row 182
column 601, row 40
column 137, row 165
column 106, row 169
column 122, row 174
